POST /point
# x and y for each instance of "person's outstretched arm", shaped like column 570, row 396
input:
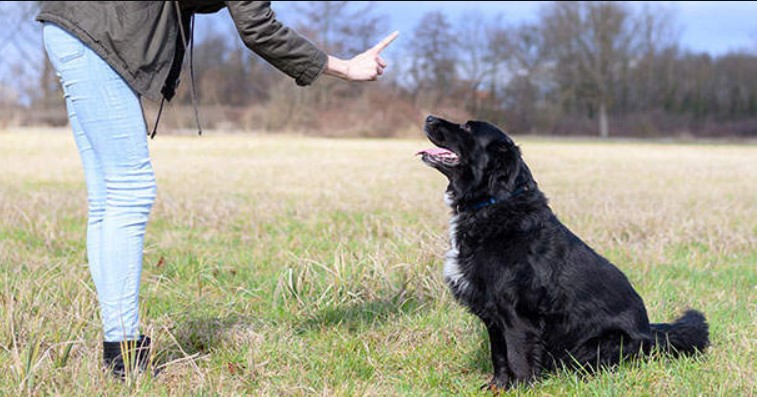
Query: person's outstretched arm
column 293, row 54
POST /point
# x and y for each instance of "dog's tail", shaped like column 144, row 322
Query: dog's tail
column 687, row 335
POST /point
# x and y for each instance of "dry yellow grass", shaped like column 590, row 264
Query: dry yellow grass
column 295, row 265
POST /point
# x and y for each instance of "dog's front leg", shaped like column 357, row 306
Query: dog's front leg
column 524, row 350
column 498, row 344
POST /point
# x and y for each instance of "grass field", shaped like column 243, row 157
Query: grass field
column 289, row 266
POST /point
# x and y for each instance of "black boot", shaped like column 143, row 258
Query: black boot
column 122, row 358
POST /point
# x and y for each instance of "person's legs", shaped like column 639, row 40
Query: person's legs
column 106, row 116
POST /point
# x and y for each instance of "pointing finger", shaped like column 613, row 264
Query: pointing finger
column 383, row 43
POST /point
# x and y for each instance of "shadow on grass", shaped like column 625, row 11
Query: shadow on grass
column 359, row 316
column 198, row 336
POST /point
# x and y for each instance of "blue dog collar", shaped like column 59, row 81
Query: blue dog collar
column 483, row 204
column 491, row 200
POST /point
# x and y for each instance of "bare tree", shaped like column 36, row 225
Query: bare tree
column 496, row 57
column 25, row 66
column 526, row 64
column 480, row 52
column 655, row 51
column 433, row 55
column 592, row 43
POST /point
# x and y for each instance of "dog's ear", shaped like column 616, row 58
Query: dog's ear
column 505, row 169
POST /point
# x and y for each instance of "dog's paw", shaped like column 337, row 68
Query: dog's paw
column 497, row 384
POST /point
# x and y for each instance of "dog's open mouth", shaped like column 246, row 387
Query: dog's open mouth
column 439, row 156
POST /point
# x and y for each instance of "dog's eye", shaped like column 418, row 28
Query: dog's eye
column 465, row 127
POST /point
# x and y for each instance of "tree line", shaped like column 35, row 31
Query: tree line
column 579, row 68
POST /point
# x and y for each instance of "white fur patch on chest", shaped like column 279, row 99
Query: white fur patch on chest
column 453, row 275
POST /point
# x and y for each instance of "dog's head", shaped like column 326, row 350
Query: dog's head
column 480, row 161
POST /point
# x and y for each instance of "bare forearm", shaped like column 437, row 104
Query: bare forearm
column 337, row 67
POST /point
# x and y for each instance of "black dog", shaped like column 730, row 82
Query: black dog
column 547, row 299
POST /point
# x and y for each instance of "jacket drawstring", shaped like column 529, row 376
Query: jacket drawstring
column 157, row 119
column 192, row 73
column 191, row 70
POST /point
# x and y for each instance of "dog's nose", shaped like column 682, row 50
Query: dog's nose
column 430, row 119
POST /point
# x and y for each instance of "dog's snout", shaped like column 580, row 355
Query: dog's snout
column 431, row 119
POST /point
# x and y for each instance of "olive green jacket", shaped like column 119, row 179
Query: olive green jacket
column 142, row 41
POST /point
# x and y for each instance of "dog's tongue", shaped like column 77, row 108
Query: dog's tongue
column 437, row 152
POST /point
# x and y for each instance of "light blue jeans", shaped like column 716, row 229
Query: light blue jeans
column 110, row 132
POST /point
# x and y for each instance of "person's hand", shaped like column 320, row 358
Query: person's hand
column 363, row 67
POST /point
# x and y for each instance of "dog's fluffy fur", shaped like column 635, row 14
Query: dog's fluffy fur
column 547, row 298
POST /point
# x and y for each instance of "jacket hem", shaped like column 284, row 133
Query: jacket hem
column 103, row 52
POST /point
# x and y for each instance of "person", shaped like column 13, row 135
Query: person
column 108, row 56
